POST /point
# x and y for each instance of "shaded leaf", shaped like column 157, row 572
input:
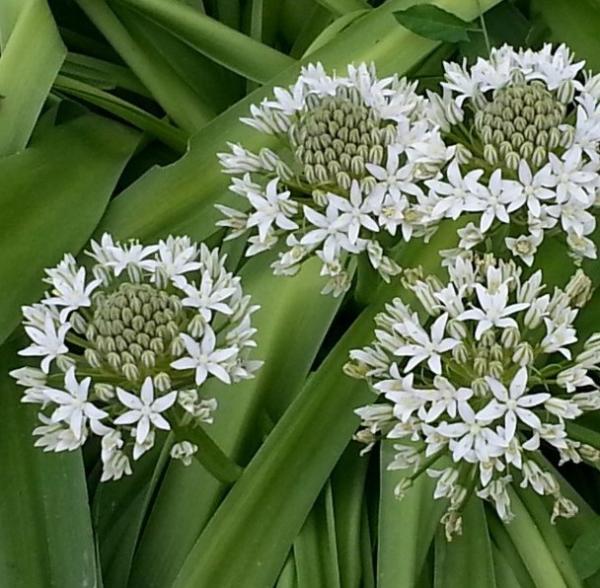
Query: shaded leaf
column 45, row 529
column 432, row 22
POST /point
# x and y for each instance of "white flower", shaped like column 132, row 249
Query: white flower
column 354, row 213
column 500, row 198
column 525, row 246
column 74, row 407
column 513, row 403
column 536, row 187
column 177, row 256
column 145, row 410
column 205, row 358
column 133, row 256
column 421, row 346
column 208, row 298
column 471, row 439
column 454, row 194
column 48, row 341
column 445, row 398
column 494, row 312
column 70, row 291
column 569, row 179
column 272, row 208
column 330, row 231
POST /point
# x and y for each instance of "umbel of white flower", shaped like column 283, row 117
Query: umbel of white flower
column 472, row 392
column 125, row 351
column 353, row 151
column 526, row 127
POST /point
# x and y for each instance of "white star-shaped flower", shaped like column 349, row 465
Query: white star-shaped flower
column 272, row 208
column 497, row 201
column 454, row 194
column 471, row 439
column 445, row 397
column 177, row 256
column 494, row 312
column 204, row 358
column 74, row 408
column 328, row 231
column 208, row 298
column 535, row 187
column 426, row 347
column 134, row 255
column 569, row 179
column 354, row 213
column 47, row 341
column 145, row 410
column 513, row 404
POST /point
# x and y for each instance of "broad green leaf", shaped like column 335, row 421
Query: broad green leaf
column 537, row 555
column 334, row 29
column 341, row 7
column 287, row 578
column 119, row 509
column 573, row 23
column 224, row 45
column 174, row 95
column 435, row 23
column 406, row 526
column 189, row 496
column 266, row 508
column 195, row 182
column 29, row 62
column 45, row 529
column 348, row 484
column 541, row 516
column 507, row 553
column 467, row 556
column 586, row 552
column 503, row 571
column 315, row 548
column 171, row 136
column 50, row 206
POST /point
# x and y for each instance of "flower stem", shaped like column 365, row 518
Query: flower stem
column 209, row 454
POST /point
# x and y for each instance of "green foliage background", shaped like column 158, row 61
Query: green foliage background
column 111, row 115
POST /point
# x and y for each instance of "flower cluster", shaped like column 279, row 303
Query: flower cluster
column 353, row 150
column 526, row 127
column 123, row 352
column 471, row 397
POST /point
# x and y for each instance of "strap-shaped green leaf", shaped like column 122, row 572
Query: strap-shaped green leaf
column 31, row 58
column 50, row 205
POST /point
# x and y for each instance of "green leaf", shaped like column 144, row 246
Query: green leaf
column 119, row 510
column 181, row 510
column 341, row 7
column 573, row 23
column 171, row 136
column 432, row 22
column 45, row 529
column 407, row 526
column 30, row 60
column 172, row 92
column 586, row 552
column 50, row 207
column 224, row 45
column 315, row 549
column 468, row 555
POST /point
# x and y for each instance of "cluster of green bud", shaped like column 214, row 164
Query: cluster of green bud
column 522, row 122
column 334, row 138
column 133, row 329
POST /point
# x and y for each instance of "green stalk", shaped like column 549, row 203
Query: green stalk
column 209, row 454
column 341, row 7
